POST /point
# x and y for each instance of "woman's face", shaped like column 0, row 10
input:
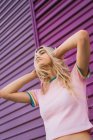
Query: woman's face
column 41, row 57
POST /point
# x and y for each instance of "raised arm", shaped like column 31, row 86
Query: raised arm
column 22, row 97
column 18, row 97
column 19, row 83
column 9, row 92
column 69, row 43
column 79, row 40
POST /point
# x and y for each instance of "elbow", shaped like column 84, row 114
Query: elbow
column 84, row 34
column 2, row 94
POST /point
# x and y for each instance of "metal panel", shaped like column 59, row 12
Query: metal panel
column 17, row 46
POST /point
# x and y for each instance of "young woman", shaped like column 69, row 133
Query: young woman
column 62, row 96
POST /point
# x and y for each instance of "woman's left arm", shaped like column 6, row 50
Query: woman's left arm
column 79, row 40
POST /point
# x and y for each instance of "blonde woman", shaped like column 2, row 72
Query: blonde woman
column 62, row 95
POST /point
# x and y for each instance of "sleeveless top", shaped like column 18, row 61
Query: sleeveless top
column 61, row 113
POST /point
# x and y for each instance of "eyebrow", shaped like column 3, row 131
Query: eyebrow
column 39, row 49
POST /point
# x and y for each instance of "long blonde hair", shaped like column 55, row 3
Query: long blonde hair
column 63, row 73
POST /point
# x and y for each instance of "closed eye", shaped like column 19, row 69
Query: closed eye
column 41, row 52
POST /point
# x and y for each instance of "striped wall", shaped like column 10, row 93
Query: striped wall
column 25, row 25
column 18, row 43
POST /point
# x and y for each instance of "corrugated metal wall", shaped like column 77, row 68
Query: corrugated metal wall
column 26, row 25
column 18, row 43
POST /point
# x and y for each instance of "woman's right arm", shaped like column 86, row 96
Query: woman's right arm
column 18, row 97
column 21, row 97
column 20, row 82
column 10, row 92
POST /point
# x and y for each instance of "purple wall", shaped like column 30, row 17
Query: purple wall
column 25, row 25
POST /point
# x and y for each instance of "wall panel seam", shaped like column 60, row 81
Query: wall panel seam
column 35, row 33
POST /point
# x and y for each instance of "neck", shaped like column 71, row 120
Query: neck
column 52, row 74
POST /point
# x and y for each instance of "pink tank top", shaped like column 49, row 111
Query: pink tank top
column 61, row 113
